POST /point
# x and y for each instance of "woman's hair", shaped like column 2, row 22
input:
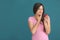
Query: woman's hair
column 35, row 9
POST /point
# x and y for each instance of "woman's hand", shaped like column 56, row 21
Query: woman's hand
column 39, row 18
column 46, row 19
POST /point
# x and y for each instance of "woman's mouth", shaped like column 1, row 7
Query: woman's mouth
column 39, row 15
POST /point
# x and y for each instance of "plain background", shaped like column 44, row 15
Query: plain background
column 14, row 18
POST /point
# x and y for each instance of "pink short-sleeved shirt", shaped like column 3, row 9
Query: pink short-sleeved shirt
column 39, row 34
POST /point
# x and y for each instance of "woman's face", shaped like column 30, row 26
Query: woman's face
column 39, row 11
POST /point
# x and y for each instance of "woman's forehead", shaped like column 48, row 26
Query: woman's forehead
column 41, row 7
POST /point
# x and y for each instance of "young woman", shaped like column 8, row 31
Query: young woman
column 39, row 24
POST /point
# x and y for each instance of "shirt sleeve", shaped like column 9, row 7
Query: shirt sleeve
column 30, row 19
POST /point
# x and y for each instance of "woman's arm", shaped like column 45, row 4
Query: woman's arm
column 47, row 24
column 33, row 27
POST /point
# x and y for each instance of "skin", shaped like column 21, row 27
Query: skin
column 38, row 17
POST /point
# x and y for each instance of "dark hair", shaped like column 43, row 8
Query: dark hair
column 35, row 8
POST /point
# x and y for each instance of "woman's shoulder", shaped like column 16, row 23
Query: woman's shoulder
column 30, row 18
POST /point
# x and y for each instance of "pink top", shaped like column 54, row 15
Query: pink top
column 40, row 34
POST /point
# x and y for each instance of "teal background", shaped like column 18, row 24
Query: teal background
column 14, row 18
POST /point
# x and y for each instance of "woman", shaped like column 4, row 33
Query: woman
column 39, row 24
